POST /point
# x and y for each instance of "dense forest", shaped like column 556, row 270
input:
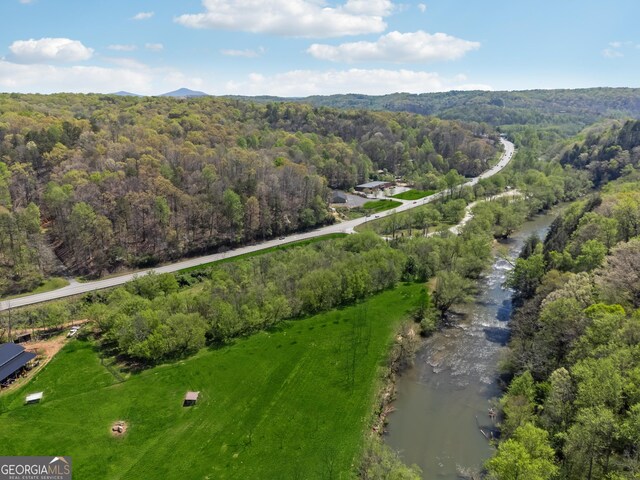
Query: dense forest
column 606, row 150
column 91, row 184
column 567, row 110
column 572, row 410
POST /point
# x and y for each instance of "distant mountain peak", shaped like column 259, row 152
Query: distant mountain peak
column 122, row 93
column 185, row 92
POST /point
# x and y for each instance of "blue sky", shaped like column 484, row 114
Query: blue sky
column 305, row 47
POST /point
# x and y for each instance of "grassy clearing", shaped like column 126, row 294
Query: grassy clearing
column 48, row 285
column 377, row 225
column 376, row 206
column 368, row 208
column 291, row 403
column 277, row 248
column 414, row 194
column 351, row 214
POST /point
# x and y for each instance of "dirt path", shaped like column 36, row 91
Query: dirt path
column 468, row 213
column 47, row 349
column 63, row 326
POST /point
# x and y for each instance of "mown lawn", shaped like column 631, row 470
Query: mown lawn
column 376, row 206
column 414, row 194
column 291, row 403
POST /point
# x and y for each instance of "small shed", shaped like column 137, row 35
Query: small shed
column 23, row 337
column 34, row 397
column 190, row 399
column 338, row 197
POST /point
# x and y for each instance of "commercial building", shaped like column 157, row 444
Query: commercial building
column 374, row 186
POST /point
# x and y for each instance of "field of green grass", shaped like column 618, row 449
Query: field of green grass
column 375, row 206
column 290, row 403
column 277, row 248
column 414, row 194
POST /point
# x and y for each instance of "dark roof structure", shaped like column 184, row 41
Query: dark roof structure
column 12, row 358
column 374, row 185
column 338, row 197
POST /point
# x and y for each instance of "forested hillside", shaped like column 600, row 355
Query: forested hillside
column 573, row 408
column 160, row 317
column 90, row 183
column 569, row 110
column 606, row 151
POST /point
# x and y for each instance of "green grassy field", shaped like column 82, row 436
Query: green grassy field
column 277, row 248
column 414, row 194
column 376, row 206
column 291, row 403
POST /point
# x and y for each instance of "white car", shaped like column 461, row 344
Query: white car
column 73, row 331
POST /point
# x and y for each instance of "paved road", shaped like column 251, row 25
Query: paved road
column 76, row 288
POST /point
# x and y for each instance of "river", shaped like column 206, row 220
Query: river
column 443, row 401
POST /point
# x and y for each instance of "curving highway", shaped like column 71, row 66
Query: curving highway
column 75, row 288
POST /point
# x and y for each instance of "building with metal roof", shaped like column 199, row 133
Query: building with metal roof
column 34, row 397
column 190, row 399
column 13, row 359
column 374, row 186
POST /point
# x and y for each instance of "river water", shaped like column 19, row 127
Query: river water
column 443, row 402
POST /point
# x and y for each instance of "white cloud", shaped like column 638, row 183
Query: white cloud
column 154, row 47
column 49, row 78
column 398, row 48
column 122, row 48
column 610, row 53
column 381, row 8
column 143, row 16
column 247, row 53
column 300, row 83
column 25, row 2
column 422, row 7
column 292, row 18
column 619, row 49
column 129, row 63
column 618, row 44
column 49, row 50
column 131, row 75
column 128, row 75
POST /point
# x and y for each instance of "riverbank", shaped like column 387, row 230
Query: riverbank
column 376, row 456
column 402, row 354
